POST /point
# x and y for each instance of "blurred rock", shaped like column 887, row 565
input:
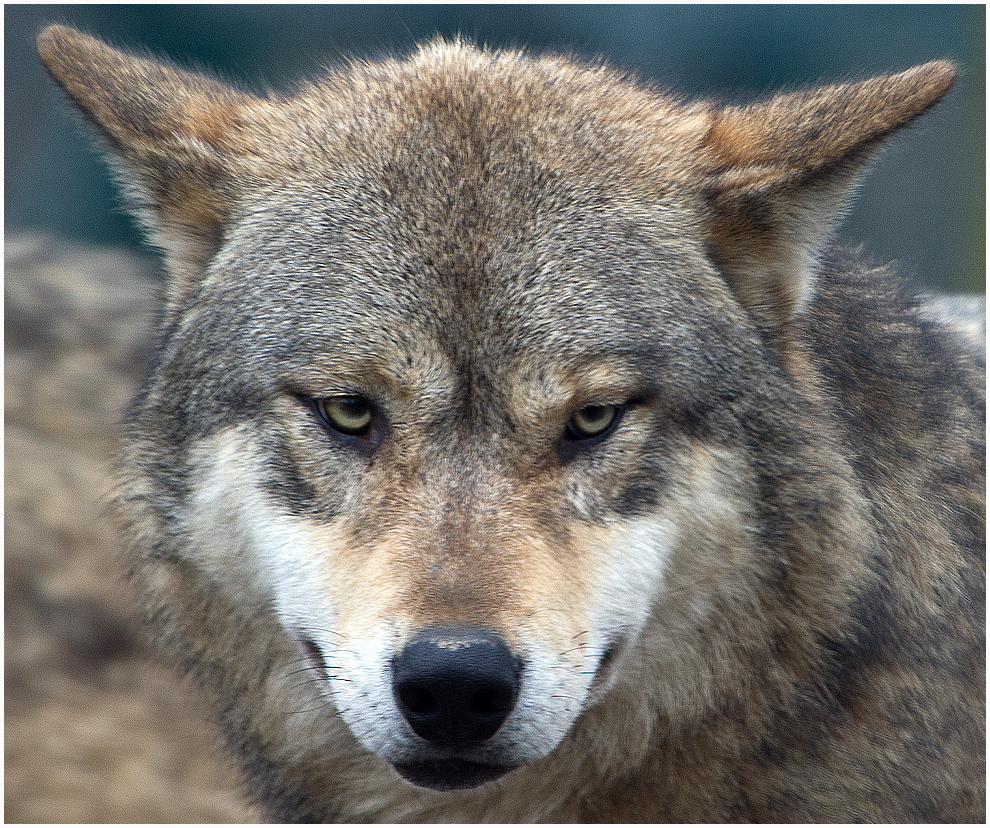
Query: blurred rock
column 95, row 729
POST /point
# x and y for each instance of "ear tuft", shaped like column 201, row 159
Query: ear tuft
column 178, row 139
column 135, row 100
column 779, row 172
column 819, row 127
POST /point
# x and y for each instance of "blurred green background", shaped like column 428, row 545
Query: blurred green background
column 924, row 204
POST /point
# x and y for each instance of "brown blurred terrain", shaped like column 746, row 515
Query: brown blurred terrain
column 95, row 729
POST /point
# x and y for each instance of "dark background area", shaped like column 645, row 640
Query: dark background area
column 924, row 203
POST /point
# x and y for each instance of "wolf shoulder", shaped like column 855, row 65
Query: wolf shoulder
column 903, row 373
column 871, row 331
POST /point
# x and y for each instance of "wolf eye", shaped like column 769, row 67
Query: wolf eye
column 348, row 414
column 592, row 421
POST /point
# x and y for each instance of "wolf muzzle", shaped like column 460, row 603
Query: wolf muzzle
column 455, row 686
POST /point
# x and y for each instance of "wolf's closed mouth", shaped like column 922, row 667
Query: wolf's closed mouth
column 450, row 774
column 314, row 657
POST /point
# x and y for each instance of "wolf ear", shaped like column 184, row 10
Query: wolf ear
column 178, row 139
column 780, row 171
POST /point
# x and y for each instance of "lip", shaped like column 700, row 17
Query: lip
column 451, row 774
column 314, row 657
column 606, row 670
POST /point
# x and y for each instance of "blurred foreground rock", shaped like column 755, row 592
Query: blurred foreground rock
column 95, row 729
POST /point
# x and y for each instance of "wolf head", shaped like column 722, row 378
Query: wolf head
column 474, row 367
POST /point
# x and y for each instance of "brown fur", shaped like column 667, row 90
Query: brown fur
column 482, row 244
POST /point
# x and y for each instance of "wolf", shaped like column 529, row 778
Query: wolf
column 520, row 446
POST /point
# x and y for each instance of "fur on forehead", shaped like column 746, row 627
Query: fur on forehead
column 763, row 185
column 548, row 105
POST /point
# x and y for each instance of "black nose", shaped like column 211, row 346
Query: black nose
column 455, row 686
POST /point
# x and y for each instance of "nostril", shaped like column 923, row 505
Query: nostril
column 492, row 700
column 417, row 700
column 455, row 686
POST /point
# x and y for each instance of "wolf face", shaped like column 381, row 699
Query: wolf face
column 445, row 445
column 483, row 419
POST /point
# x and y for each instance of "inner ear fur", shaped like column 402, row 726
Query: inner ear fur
column 779, row 172
column 179, row 139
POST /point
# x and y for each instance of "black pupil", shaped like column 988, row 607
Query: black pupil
column 594, row 412
column 353, row 407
